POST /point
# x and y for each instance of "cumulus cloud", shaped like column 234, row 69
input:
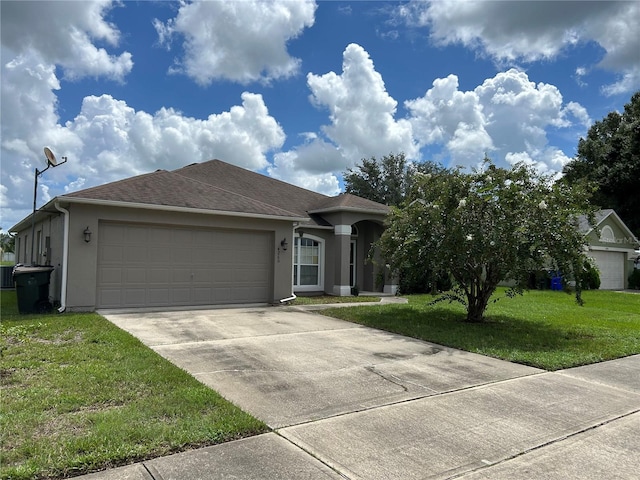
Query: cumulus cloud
column 110, row 140
column 314, row 165
column 240, row 41
column 64, row 33
column 507, row 117
column 360, row 109
column 533, row 31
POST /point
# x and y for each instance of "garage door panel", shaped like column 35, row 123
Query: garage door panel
column 110, row 276
column 156, row 266
column 611, row 266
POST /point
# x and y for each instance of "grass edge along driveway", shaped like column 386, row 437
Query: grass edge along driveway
column 542, row 328
column 80, row 395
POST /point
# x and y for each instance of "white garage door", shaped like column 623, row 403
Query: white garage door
column 143, row 266
column 611, row 265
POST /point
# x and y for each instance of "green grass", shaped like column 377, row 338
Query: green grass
column 80, row 395
column 325, row 299
column 543, row 329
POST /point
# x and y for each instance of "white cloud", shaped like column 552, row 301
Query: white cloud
column 506, row 117
column 63, row 33
column 360, row 109
column 109, row 140
column 445, row 115
column 532, row 31
column 239, row 41
column 296, row 167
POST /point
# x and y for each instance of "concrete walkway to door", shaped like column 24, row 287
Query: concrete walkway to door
column 346, row 401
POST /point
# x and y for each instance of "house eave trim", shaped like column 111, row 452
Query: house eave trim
column 171, row 208
column 350, row 209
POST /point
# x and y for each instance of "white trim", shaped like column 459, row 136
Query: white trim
column 607, row 235
column 351, row 209
column 65, row 258
column 152, row 206
column 342, row 290
column 342, row 229
column 612, row 249
column 321, row 246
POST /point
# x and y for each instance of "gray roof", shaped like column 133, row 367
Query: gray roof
column 219, row 186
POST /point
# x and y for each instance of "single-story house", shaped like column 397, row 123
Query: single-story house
column 205, row 234
column 613, row 248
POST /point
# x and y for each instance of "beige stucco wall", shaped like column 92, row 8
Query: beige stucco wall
column 83, row 261
column 47, row 251
column 370, row 227
column 623, row 242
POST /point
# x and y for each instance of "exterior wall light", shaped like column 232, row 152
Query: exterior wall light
column 87, row 235
column 284, row 244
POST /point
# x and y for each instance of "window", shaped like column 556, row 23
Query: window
column 607, row 236
column 307, row 262
column 352, row 264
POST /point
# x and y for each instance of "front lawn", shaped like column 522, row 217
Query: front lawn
column 545, row 329
column 80, row 395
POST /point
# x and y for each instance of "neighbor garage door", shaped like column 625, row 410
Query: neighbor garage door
column 611, row 265
column 145, row 266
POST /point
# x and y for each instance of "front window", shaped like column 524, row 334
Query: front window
column 307, row 263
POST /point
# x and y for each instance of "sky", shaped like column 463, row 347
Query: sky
column 300, row 90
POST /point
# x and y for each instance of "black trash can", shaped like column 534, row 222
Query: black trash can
column 32, row 288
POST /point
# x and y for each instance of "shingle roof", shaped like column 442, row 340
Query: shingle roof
column 219, row 186
column 347, row 201
column 253, row 185
column 169, row 189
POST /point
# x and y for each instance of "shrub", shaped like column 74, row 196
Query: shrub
column 634, row 279
column 591, row 277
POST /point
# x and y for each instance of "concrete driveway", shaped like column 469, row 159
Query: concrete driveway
column 347, row 401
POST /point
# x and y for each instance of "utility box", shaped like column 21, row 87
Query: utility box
column 32, row 288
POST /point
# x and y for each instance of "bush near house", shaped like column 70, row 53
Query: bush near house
column 634, row 280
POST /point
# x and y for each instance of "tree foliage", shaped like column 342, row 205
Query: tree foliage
column 610, row 157
column 387, row 180
column 485, row 227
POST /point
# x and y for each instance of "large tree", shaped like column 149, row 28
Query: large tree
column 485, row 227
column 387, row 180
column 610, row 157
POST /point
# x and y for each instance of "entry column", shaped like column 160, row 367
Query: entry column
column 342, row 242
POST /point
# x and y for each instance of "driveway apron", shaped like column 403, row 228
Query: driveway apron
column 367, row 404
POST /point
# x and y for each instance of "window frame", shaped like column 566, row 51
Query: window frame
column 296, row 266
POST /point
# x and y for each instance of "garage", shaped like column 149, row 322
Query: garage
column 611, row 266
column 157, row 266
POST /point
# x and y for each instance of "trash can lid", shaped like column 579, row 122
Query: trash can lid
column 31, row 269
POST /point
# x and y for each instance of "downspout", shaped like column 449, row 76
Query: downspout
column 65, row 258
column 293, row 295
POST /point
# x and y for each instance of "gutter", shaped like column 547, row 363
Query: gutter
column 65, row 258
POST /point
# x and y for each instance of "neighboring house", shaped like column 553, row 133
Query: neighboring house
column 209, row 233
column 612, row 245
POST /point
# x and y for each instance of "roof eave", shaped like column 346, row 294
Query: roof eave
column 149, row 206
column 348, row 209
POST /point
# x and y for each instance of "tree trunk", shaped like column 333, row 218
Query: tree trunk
column 478, row 299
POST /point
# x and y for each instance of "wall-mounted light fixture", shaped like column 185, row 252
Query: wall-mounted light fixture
column 284, row 244
column 300, row 233
column 87, row 235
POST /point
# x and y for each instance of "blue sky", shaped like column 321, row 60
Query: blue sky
column 301, row 90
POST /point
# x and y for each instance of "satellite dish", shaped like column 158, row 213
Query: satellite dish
column 51, row 158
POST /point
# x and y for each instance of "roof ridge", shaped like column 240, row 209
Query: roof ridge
column 256, row 174
column 121, row 181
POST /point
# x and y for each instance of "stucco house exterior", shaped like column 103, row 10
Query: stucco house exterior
column 205, row 234
column 612, row 246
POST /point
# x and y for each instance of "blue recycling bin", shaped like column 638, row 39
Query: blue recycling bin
column 556, row 282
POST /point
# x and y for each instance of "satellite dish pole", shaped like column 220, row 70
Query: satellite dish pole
column 52, row 161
